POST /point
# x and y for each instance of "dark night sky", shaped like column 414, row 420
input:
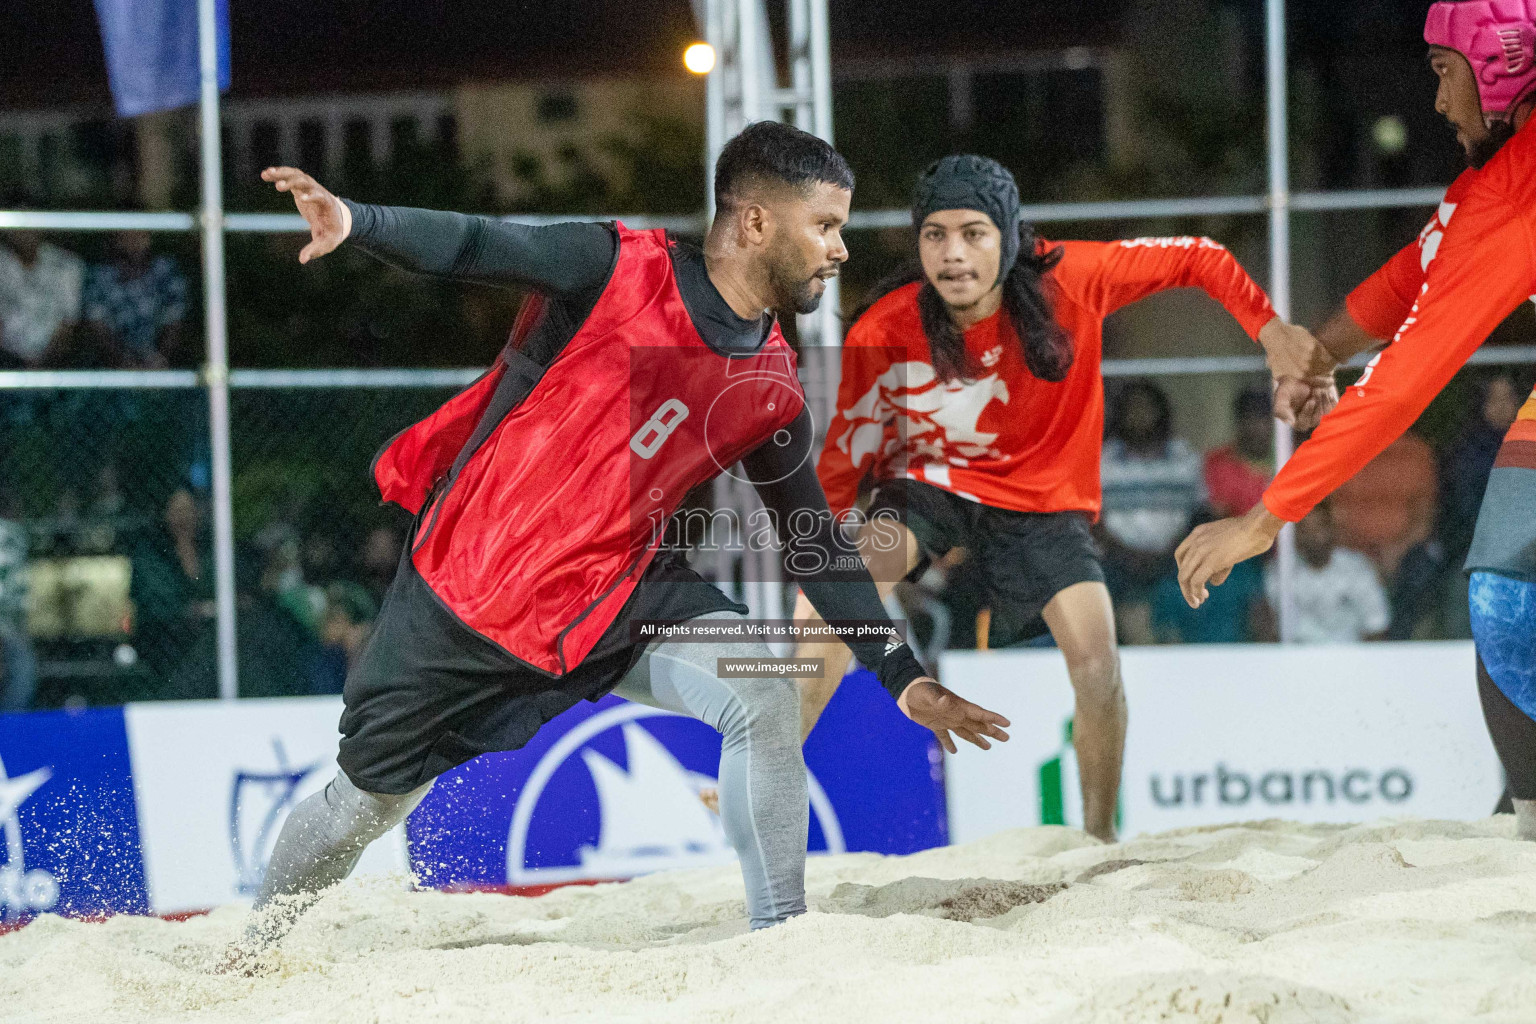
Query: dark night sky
column 54, row 49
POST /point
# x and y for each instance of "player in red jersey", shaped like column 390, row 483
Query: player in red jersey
column 529, row 565
column 972, row 394
column 1433, row 304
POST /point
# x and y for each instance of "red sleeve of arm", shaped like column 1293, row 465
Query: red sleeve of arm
column 1120, row 273
column 855, row 434
column 1482, row 271
column 1382, row 301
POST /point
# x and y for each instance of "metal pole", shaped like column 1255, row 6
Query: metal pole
column 829, row 334
column 748, row 61
column 800, row 63
column 1280, row 272
column 216, row 371
column 714, row 103
column 821, row 72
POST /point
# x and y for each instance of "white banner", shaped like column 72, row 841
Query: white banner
column 214, row 783
column 1235, row 733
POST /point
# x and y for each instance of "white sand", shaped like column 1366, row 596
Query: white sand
column 1272, row 922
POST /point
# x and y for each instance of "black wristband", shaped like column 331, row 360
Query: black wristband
column 897, row 670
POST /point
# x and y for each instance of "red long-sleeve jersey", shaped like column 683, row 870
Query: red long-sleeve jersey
column 1009, row 439
column 1438, row 299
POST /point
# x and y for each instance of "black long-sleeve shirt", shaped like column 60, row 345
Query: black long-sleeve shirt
column 571, row 264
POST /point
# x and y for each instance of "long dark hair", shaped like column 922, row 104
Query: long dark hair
column 1047, row 348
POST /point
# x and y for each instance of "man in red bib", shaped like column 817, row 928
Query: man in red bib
column 641, row 369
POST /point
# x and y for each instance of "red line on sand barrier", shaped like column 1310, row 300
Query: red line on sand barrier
column 183, row 915
column 527, row 890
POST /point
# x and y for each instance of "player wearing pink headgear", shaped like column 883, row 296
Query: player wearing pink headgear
column 1497, row 41
column 1433, row 304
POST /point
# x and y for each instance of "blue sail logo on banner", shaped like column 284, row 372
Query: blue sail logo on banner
column 152, row 56
column 611, row 790
column 639, row 785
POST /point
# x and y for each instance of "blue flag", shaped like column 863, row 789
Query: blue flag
column 152, row 59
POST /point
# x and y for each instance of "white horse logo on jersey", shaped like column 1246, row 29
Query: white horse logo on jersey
column 935, row 420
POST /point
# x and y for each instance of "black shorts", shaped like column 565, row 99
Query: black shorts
column 428, row 693
column 1024, row 558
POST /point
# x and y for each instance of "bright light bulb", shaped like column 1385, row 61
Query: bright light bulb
column 699, row 58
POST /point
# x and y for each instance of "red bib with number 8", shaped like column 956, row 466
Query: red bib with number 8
column 539, row 538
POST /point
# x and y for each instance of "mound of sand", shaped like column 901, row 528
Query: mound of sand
column 1270, row 922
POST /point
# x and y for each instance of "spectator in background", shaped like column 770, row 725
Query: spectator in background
column 171, row 587
column 96, row 529
column 1469, row 460
column 1421, row 577
column 1235, row 613
column 320, row 556
column 139, row 301
column 274, row 652
column 1389, row 506
column 282, row 576
column 378, row 558
column 40, row 287
column 1339, row 598
column 1237, row 473
column 18, row 664
column 349, row 615
column 1154, row 484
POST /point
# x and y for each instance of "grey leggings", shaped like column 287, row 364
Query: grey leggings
column 763, row 794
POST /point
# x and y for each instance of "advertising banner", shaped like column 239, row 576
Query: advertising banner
column 214, row 782
column 612, row 790
column 1222, row 734
column 175, row 807
column 69, row 838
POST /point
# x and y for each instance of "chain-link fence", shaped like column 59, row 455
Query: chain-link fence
column 106, row 572
column 106, row 582
column 106, row 568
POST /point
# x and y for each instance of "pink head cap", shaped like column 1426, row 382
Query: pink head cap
column 1498, row 38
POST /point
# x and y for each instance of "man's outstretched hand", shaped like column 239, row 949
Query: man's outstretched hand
column 1292, row 351
column 1208, row 554
column 1303, row 373
column 935, row 707
column 330, row 222
column 1303, row 403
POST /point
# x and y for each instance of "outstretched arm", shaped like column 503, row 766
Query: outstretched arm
column 832, row 574
column 1371, row 315
column 1481, row 273
column 1115, row 274
column 562, row 259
